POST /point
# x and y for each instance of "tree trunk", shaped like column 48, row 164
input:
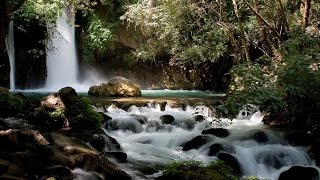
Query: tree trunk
column 4, row 59
column 306, row 12
column 262, row 30
column 284, row 17
column 230, row 31
column 263, row 20
column 242, row 34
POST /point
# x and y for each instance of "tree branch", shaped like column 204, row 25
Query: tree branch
column 263, row 20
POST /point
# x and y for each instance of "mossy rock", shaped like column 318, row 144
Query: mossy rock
column 117, row 87
column 189, row 170
column 66, row 109
column 11, row 104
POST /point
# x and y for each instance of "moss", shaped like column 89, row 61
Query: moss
column 81, row 114
column 11, row 104
column 185, row 170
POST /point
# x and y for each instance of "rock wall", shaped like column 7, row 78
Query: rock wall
column 4, row 60
column 30, row 54
column 204, row 76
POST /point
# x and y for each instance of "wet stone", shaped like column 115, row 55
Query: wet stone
column 219, row 132
column 195, row 143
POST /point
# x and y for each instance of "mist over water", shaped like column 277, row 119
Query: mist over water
column 153, row 143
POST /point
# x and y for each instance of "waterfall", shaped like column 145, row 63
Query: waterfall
column 11, row 54
column 62, row 65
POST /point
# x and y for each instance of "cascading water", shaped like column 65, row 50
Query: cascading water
column 62, row 65
column 62, row 60
column 11, row 54
column 150, row 143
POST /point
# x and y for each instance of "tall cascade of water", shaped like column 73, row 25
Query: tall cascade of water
column 62, row 65
column 11, row 54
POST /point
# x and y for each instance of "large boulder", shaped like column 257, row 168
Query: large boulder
column 117, row 87
column 66, row 109
column 299, row 172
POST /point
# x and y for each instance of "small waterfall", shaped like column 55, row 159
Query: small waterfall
column 62, row 65
column 148, row 142
column 11, row 54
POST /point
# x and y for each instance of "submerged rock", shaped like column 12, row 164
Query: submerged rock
column 299, row 172
column 166, row 119
column 199, row 118
column 260, row 137
column 219, row 132
column 195, row 143
column 118, row 87
column 217, row 147
column 230, row 161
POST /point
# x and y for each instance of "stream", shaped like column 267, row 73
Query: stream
column 149, row 143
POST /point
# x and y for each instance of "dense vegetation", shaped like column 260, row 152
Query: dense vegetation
column 274, row 43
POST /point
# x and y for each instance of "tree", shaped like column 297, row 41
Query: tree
column 305, row 6
column 242, row 33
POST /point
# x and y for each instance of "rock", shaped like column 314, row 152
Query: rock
column 98, row 142
column 104, row 142
column 121, row 156
column 9, row 169
column 195, row 143
column 106, row 118
column 118, row 87
column 166, row 119
column 299, row 172
column 214, row 149
column 58, row 172
column 199, row 118
column 260, row 137
column 219, row 132
column 67, row 92
column 66, row 110
column 299, row 138
column 230, row 161
column 80, row 155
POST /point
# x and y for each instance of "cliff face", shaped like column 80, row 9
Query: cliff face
column 4, row 60
column 30, row 54
column 204, row 76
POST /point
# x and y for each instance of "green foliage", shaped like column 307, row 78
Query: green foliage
column 299, row 72
column 198, row 170
column 184, row 29
column 41, row 10
column 253, row 85
column 99, row 35
column 268, row 85
column 80, row 112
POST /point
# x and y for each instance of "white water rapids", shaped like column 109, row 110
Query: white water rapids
column 152, row 143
